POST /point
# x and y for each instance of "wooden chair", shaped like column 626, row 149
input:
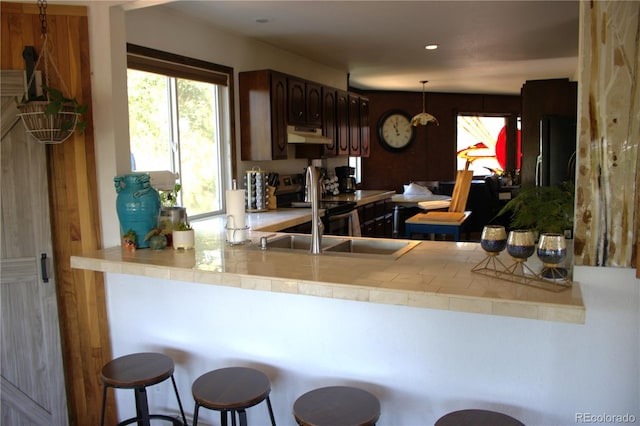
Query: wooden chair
column 461, row 191
column 449, row 222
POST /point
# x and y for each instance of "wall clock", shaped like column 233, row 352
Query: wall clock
column 395, row 131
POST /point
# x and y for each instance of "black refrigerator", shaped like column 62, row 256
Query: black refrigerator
column 556, row 158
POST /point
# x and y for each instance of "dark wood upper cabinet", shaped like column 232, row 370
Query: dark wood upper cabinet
column 313, row 105
column 271, row 101
column 342, row 122
column 354, row 125
column 263, row 114
column 329, row 123
column 278, row 116
column 364, row 127
column 296, row 102
column 305, row 103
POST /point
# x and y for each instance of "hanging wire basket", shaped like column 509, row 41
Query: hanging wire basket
column 52, row 118
column 48, row 128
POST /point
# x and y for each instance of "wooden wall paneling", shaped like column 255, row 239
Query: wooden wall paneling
column 388, row 170
column 432, row 154
column 73, row 201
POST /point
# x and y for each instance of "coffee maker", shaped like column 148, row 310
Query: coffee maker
column 346, row 180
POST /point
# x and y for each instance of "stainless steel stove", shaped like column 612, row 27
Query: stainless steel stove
column 290, row 193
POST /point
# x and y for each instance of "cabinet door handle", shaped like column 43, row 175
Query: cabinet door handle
column 43, row 267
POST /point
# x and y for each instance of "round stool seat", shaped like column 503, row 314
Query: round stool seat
column 477, row 418
column 337, row 406
column 231, row 389
column 141, row 369
column 137, row 372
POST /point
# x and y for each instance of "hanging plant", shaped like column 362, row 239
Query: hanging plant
column 50, row 118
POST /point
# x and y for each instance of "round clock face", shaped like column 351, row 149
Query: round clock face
column 395, row 130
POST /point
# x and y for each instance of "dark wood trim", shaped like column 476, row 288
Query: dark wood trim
column 152, row 60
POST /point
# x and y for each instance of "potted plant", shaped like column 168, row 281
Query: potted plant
column 170, row 198
column 52, row 118
column 183, row 236
column 170, row 213
column 543, row 209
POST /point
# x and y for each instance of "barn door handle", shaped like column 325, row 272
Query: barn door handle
column 43, row 267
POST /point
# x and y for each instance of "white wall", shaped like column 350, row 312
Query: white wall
column 420, row 363
column 164, row 29
column 110, row 28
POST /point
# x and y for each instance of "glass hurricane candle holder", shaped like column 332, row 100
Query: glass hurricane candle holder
column 552, row 251
column 521, row 245
column 493, row 239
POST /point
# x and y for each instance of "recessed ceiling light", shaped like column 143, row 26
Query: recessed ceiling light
column 431, row 46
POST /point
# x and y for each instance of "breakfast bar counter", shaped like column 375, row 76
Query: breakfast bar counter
column 432, row 275
column 421, row 332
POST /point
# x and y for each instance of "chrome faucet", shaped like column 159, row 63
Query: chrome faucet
column 313, row 185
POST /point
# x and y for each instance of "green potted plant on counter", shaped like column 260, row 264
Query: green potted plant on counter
column 543, row 209
column 183, row 236
column 170, row 213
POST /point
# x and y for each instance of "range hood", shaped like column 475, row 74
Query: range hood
column 306, row 135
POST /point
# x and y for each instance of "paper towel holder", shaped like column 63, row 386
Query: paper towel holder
column 230, row 227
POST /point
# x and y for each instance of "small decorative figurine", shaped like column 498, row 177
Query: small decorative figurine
column 129, row 240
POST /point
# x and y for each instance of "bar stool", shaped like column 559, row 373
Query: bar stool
column 137, row 371
column 477, row 418
column 337, row 406
column 231, row 390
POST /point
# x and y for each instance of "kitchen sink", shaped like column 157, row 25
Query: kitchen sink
column 298, row 242
column 344, row 246
column 373, row 246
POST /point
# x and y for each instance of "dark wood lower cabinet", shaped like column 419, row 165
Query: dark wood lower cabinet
column 303, row 228
column 376, row 219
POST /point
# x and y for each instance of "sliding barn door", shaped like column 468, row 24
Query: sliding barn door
column 33, row 391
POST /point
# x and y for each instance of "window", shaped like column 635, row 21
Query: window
column 179, row 120
column 482, row 143
column 356, row 163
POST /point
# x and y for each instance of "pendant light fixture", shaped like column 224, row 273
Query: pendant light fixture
column 423, row 118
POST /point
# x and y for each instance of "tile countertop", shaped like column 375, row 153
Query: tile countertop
column 361, row 197
column 433, row 275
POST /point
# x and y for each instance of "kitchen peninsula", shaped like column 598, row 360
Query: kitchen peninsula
column 435, row 275
column 311, row 321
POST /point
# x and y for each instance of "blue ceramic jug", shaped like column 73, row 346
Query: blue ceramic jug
column 137, row 204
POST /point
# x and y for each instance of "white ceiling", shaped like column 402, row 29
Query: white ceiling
column 484, row 46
